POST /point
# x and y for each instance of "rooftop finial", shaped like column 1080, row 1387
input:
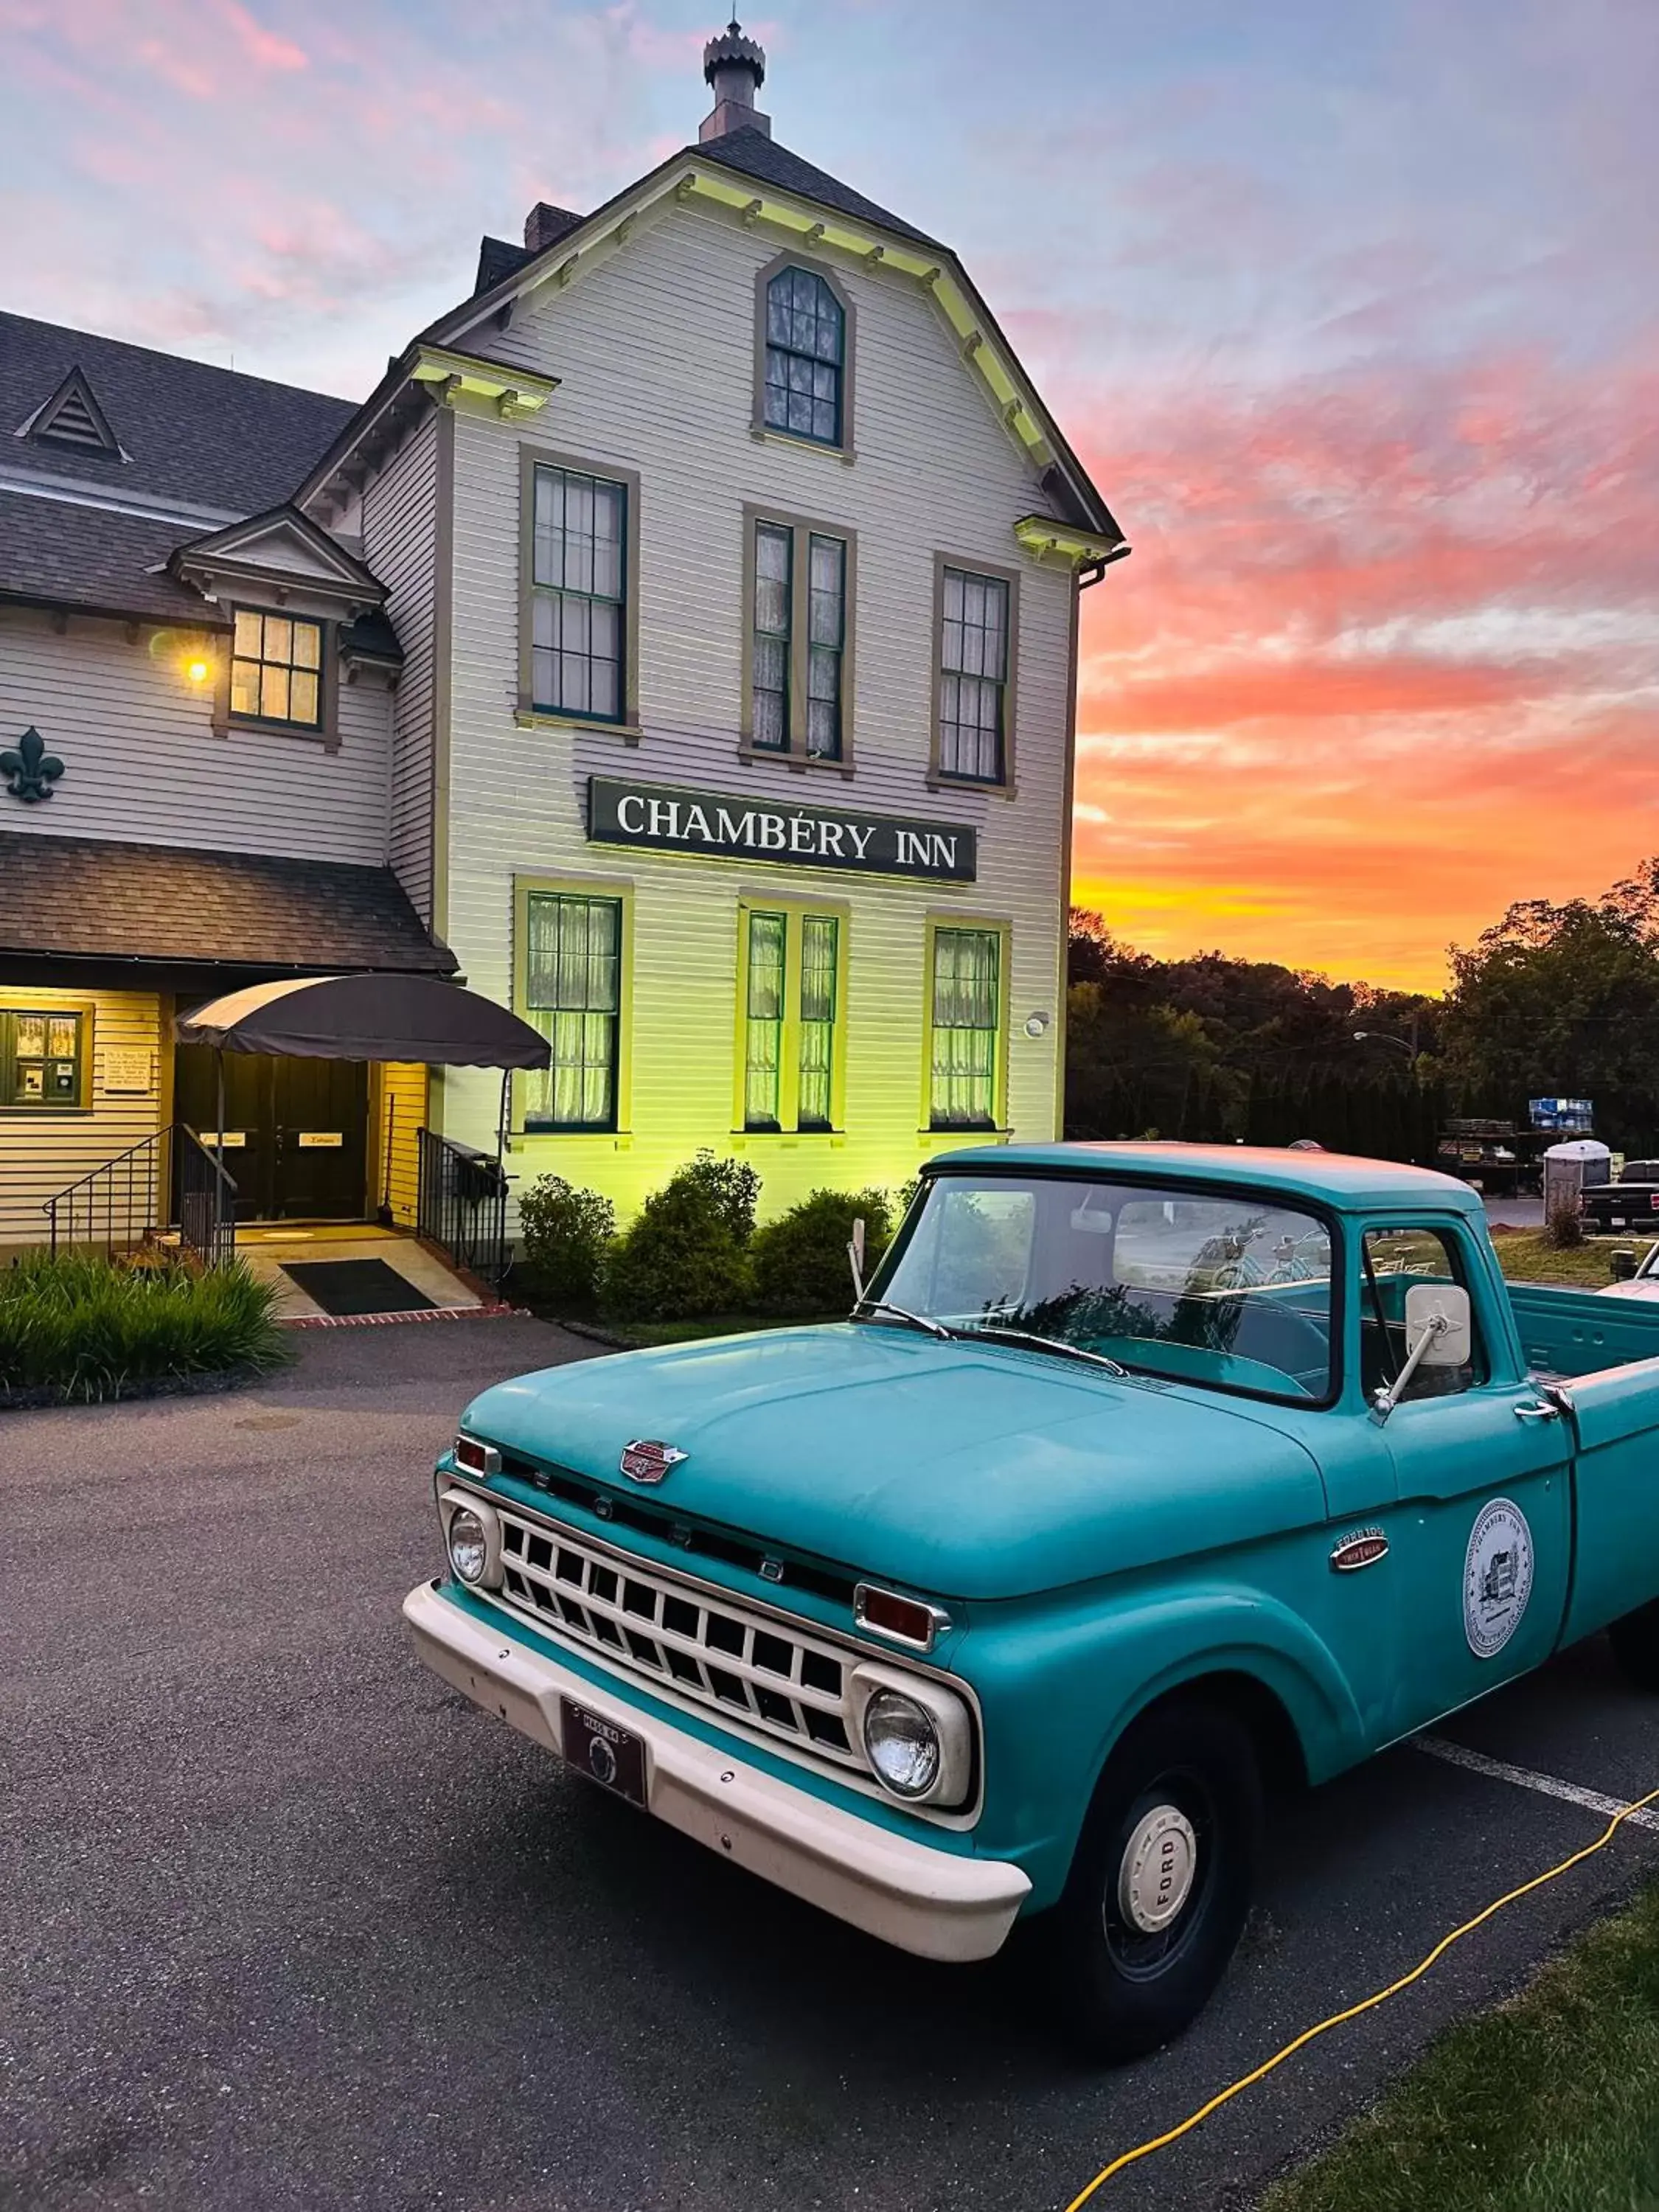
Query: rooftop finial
column 735, row 66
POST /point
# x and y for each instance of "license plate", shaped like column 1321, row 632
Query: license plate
column 605, row 1753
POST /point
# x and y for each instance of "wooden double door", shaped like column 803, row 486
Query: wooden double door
column 296, row 1130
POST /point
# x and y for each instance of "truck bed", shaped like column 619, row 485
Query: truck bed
column 1569, row 1333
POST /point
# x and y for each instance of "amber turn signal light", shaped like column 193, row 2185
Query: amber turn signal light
column 906, row 1619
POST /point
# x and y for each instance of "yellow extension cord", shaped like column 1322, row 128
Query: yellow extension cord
column 1366, row 2004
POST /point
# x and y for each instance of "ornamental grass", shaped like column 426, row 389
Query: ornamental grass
column 77, row 1327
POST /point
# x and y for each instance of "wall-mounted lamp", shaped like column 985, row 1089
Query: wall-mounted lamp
column 1036, row 1025
column 197, row 670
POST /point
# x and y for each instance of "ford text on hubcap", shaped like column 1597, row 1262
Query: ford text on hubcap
column 1159, row 1865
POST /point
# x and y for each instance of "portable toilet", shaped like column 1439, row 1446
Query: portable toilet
column 1569, row 1167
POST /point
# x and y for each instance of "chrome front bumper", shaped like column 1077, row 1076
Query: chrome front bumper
column 940, row 1905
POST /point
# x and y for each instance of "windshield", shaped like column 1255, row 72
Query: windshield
column 1231, row 1291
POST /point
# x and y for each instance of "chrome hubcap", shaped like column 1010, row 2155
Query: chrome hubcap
column 1160, row 1864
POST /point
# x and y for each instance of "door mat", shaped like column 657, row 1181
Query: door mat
column 356, row 1286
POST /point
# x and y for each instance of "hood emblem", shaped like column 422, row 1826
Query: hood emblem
column 646, row 1461
column 1363, row 1549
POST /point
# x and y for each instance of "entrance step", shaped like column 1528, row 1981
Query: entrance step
column 269, row 1251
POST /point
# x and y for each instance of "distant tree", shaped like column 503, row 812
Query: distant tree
column 1220, row 1048
column 1564, row 1000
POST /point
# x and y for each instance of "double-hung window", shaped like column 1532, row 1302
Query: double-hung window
column 965, row 1029
column 277, row 670
column 791, row 999
column 800, row 623
column 572, row 996
column 806, row 356
column 972, row 718
column 578, row 593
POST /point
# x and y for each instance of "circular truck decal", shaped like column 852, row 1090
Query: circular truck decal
column 1496, row 1578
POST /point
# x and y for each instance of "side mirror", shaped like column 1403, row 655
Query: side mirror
column 855, row 1258
column 1439, row 1332
column 1621, row 1266
column 1438, row 1315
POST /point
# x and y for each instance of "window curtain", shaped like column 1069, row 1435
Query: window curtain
column 966, row 1018
column 572, row 992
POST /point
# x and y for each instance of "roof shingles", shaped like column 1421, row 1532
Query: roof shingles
column 93, row 898
column 211, row 437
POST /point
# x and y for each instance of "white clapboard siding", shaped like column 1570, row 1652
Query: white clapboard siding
column 142, row 762
column 399, row 522
column 42, row 1153
column 655, row 352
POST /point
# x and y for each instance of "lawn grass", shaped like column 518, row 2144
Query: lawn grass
column 1549, row 2103
column 1527, row 1256
column 77, row 1328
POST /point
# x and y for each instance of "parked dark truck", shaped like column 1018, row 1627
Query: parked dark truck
column 1142, row 1478
column 1633, row 1202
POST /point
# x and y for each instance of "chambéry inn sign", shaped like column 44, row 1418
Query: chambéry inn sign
column 677, row 820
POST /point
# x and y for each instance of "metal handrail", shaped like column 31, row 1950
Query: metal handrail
column 461, row 1204
column 132, row 1191
column 144, row 1145
column 126, row 1189
column 206, row 1200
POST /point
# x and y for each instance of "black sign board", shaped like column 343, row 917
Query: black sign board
column 675, row 820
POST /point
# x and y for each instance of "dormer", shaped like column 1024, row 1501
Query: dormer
column 303, row 611
column 73, row 419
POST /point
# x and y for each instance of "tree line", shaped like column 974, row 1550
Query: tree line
column 1550, row 1001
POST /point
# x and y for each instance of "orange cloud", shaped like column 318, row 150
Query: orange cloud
column 1387, row 658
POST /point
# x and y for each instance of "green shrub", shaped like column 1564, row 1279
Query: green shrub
column 564, row 1233
column 82, row 1328
column 798, row 1263
column 683, row 1257
column 731, row 1188
column 1565, row 1230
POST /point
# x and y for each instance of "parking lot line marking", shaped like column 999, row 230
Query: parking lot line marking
column 1544, row 1785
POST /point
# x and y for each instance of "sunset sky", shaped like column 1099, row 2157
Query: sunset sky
column 1351, row 306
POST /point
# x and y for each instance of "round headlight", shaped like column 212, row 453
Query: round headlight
column 469, row 1546
column 902, row 1738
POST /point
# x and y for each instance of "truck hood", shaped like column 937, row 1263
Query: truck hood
column 968, row 1471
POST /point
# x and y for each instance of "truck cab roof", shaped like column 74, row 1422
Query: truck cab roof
column 1336, row 1179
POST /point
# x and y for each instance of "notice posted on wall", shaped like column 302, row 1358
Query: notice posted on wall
column 129, row 1072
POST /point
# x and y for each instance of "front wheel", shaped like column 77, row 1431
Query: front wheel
column 1161, row 1880
column 1635, row 1641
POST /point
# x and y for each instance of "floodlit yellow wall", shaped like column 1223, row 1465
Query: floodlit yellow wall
column 935, row 473
column 42, row 1152
column 398, row 1110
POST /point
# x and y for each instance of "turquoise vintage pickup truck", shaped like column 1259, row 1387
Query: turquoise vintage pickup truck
column 1142, row 1478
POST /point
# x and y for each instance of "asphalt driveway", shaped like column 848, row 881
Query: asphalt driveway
column 284, row 1923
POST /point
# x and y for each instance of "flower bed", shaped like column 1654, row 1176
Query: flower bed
column 75, row 1326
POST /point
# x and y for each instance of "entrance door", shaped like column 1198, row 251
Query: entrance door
column 295, row 1131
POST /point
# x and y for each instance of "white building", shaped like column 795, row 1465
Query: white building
column 694, row 635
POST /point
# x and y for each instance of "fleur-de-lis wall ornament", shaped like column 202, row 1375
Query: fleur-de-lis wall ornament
column 30, row 770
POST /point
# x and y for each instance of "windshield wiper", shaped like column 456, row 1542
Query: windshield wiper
column 902, row 1313
column 1053, row 1344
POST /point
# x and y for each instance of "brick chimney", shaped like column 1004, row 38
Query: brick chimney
column 545, row 225
column 736, row 69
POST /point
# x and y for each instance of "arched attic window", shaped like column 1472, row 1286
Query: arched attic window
column 806, row 356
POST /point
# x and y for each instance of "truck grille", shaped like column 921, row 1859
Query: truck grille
column 752, row 1665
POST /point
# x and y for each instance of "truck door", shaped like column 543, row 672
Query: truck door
column 1480, row 1535
column 1615, row 1415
